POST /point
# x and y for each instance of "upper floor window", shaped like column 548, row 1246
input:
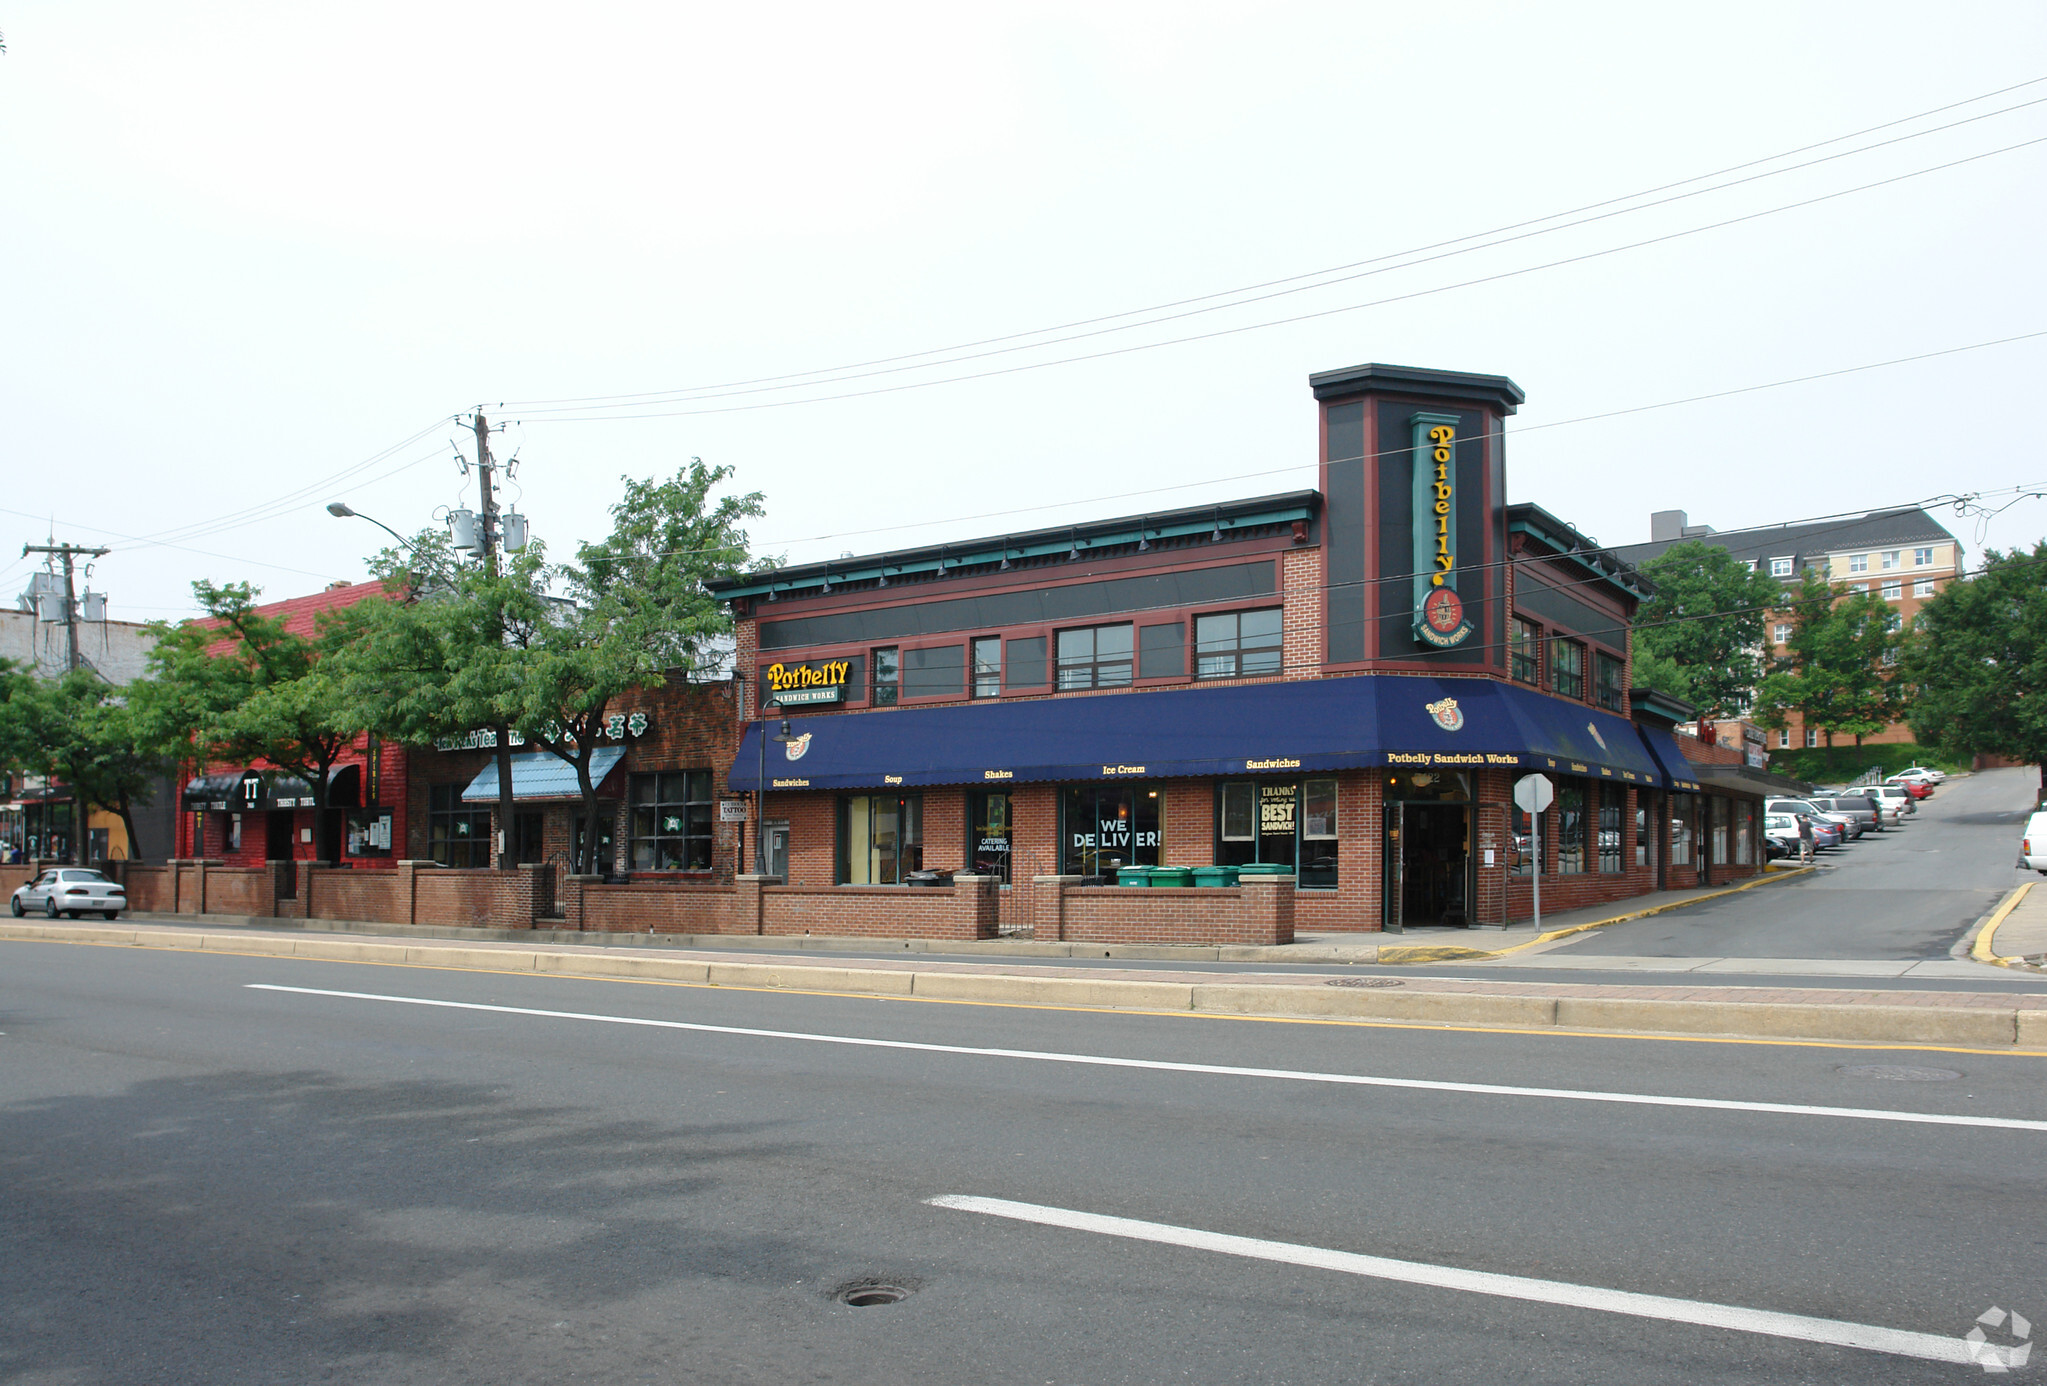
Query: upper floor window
column 1525, row 650
column 1237, row 644
column 1606, row 685
column 1858, row 562
column 672, row 821
column 1094, row 657
column 1567, row 668
column 1780, row 567
column 1891, row 558
column 1922, row 558
column 1858, row 587
column 988, row 666
column 1893, row 590
column 1923, row 587
column 887, row 677
column 1782, row 633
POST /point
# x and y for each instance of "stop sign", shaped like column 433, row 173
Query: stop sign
column 1534, row 793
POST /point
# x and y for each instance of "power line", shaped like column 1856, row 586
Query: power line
column 182, row 548
column 1317, row 314
column 653, row 396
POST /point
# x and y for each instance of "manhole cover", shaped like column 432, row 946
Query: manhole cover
column 1898, row 1073
column 868, row 1295
column 1365, row 982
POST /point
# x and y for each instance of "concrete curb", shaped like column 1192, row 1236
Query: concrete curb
column 1984, row 949
column 1457, row 953
column 1999, row 1026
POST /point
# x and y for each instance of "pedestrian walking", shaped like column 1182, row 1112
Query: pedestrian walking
column 1804, row 840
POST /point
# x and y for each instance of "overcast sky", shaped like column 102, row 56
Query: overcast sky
column 248, row 248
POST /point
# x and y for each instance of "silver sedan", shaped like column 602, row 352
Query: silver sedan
column 70, row 890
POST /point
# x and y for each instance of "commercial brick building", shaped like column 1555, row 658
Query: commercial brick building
column 1340, row 684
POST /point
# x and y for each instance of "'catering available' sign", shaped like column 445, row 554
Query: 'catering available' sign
column 820, row 682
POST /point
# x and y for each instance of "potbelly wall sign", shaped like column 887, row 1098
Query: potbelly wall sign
column 823, row 681
column 1439, row 617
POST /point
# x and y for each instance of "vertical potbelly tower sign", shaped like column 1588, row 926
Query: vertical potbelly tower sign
column 1413, row 525
column 1439, row 617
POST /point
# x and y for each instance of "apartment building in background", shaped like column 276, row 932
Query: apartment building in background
column 1905, row 556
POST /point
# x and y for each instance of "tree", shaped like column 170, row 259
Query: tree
column 240, row 686
column 88, row 742
column 1837, row 671
column 1700, row 636
column 457, row 647
column 1976, row 662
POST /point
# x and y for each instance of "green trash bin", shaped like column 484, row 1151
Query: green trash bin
column 1168, row 877
column 1265, row 868
column 1133, row 875
column 1215, row 875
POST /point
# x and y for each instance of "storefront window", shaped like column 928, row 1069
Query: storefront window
column 1521, row 861
column 1318, row 850
column 1237, row 644
column 988, row 840
column 1642, row 828
column 1259, row 821
column 1094, row 657
column 1570, row 811
column 1612, row 804
column 1719, row 808
column 1102, row 827
column 1684, row 827
column 881, row 838
column 607, row 851
column 529, row 837
column 1567, row 668
column 458, row 834
column 1607, row 686
column 1525, row 650
column 672, row 821
column 1744, row 833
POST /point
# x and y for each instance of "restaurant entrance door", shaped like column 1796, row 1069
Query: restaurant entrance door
column 1435, row 866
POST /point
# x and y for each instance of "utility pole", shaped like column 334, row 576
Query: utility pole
column 68, row 553
column 488, row 517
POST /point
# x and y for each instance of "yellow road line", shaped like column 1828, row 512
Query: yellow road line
column 1549, row 1033
column 1982, row 950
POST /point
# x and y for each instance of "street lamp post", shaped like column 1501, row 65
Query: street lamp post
column 340, row 511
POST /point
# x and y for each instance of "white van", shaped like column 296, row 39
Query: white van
column 2033, row 846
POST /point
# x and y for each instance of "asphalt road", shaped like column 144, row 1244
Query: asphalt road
column 1908, row 892
column 208, row 1182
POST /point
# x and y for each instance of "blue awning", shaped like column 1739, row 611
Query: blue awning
column 539, row 775
column 1677, row 773
column 1268, row 728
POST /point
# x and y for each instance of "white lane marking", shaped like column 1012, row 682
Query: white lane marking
column 1836, row 1332
column 1367, row 1080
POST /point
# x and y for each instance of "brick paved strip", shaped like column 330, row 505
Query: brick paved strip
column 1981, row 1019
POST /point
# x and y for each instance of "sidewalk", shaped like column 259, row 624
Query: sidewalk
column 1985, row 1020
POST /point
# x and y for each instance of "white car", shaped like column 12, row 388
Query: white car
column 2033, row 846
column 1924, row 772
column 1894, row 797
column 72, row 890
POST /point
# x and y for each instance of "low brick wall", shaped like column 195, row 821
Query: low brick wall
column 149, row 888
column 1258, row 912
column 349, row 894
column 967, row 910
column 482, row 898
column 649, row 909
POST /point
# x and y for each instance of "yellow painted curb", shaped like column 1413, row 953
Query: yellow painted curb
column 1982, row 950
column 1456, row 953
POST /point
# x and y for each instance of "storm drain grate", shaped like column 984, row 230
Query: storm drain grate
column 1364, row 982
column 1898, row 1073
column 868, row 1295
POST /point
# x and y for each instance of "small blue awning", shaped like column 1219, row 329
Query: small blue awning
column 1677, row 772
column 1246, row 729
column 539, row 775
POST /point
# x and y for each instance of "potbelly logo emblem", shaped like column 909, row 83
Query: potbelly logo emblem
column 1448, row 715
column 1593, row 727
column 796, row 746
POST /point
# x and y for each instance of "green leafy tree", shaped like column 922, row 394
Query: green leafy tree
column 1976, row 662
column 1838, row 669
column 239, row 686
column 458, row 647
column 1700, row 637
column 86, row 730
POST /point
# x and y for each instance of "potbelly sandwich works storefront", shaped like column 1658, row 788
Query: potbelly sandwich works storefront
column 1341, row 686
